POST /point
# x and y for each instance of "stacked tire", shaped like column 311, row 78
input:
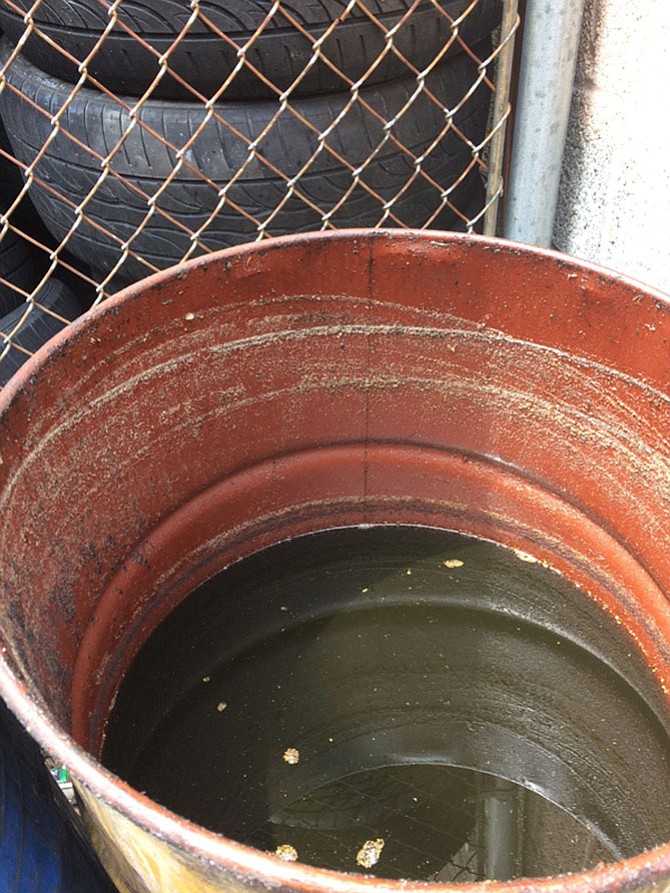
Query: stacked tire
column 178, row 166
column 30, row 312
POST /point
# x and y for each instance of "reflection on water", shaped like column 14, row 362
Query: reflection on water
column 402, row 702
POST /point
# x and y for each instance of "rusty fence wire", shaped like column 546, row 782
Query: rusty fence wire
column 136, row 135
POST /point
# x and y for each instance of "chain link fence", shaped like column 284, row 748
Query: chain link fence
column 137, row 134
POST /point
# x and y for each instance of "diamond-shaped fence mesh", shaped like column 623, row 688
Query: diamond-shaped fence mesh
column 137, row 134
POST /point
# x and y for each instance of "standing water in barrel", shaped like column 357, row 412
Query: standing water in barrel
column 404, row 702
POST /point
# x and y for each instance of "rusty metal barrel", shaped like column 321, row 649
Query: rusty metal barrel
column 351, row 380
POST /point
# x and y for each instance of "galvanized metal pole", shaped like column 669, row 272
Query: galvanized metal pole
column 498, row 822
column 548, row 60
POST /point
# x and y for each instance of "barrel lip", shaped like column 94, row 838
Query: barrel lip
column 631, row 874
column 369, row 237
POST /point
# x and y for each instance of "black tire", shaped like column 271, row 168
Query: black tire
column 218, row 154
column 19, row 269
column 203, row 59
column 11, row 181
column 26, row 262
column 38, row 327
column 20, row 266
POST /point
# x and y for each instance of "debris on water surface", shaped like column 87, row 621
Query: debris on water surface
column 453, row 562
column 370, row 852
column 221, row 706
column 291, row 756
column 524, row 556
column 287, row 852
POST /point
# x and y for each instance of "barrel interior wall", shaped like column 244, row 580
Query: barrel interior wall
column 238, row 424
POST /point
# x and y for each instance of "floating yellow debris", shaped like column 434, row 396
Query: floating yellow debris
column 369, row 853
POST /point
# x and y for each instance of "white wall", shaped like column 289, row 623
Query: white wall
column 614, row 202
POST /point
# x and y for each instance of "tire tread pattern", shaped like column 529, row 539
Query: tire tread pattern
column 203, row 59
column 120, row 204
column 39, row 326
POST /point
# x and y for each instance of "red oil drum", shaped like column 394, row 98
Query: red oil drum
column 348, row 381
